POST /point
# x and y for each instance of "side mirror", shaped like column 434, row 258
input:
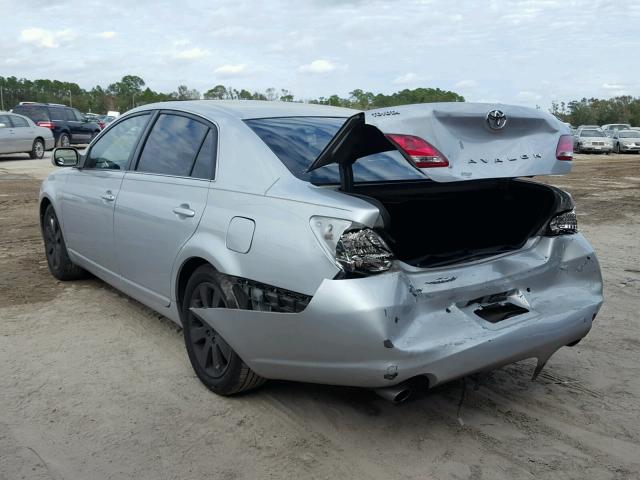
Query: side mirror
column 65, row 157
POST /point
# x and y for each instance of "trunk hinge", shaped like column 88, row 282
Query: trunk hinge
column 346, row 177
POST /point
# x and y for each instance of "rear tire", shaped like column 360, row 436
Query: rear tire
column 37, row 150
column 216, row 364
column 64, row 140
column 60, row 265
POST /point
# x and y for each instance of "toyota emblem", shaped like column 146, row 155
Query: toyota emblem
column 496, row 119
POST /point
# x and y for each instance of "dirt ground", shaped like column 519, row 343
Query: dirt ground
column 95, row 386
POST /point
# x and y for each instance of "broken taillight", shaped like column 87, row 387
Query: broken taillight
column 423, row 154
column 564, row 150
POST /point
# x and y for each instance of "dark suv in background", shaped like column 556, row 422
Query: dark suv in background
column 67, row 124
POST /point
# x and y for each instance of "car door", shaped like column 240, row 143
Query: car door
column 24, row 133
column 90, row 193
column 161, row 201
column 78, row 135
column 7, row 135
column 84, row 126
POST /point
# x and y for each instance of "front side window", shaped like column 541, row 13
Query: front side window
column 69, row 115
column 172, row 146
column 4, row 121
column 18, row 121
column 297, row 142
column 77, row 115
column 114, row 148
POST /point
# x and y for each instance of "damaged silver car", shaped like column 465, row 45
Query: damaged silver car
column 326, row 245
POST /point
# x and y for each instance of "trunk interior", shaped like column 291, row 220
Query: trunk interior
column 430, row 224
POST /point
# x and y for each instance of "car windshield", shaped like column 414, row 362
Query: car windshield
column 592, row 133
column 629, row 134
column 297, row 142
column 36, row 113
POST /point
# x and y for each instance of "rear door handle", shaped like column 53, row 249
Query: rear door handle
column 108, row 196
column 184, row 211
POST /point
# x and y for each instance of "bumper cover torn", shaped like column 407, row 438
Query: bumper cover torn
column 384, row 329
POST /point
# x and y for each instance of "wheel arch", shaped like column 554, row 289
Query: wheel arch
column 44, row 203
column 184, row 273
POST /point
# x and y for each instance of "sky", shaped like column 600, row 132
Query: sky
column 528, row 52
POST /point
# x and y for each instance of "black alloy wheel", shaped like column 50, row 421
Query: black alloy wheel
column 216, row 364
column 212, row 352
column 60, row 265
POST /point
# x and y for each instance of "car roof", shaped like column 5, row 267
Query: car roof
column 246, row 109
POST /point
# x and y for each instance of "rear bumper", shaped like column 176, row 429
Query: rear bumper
column 49, row 143
column 382, row 330
column 596, row 149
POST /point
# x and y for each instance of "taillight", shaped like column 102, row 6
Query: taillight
column 50, row 125
column 421, row 152
column 564, row 151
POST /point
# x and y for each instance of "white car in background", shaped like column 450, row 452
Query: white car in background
column 18, row 134
column 592, row 140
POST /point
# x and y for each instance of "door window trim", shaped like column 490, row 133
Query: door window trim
column 133, row 164
column 150, row 113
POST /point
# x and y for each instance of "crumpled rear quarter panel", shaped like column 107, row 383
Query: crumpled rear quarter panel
column 381, row 330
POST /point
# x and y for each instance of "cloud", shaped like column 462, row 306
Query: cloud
column 45, row 38
column 107, row 35
column 613, row 86
column 405, row 79
column 528, row 96
column 318, row 66
column 465, row 84
column 231, row 70
column 191, row 53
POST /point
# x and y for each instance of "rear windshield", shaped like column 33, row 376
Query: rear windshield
column 36, row 113
column 592, row 133
column 297, row 142
column 629, row 134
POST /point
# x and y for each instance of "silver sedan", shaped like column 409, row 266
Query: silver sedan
column 626, row 141
column 380, row 249
column 18, row 134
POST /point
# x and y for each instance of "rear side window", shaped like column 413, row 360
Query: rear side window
column 172, row 146
column 37, row 113
column 297, row 142
column 114, row 148
column 18, row 122
column 57, row 113
column 204, row 166
column 4, row 121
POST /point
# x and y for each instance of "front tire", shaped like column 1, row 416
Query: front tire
column 37, row 150
column 60, row 265
column 214, row 361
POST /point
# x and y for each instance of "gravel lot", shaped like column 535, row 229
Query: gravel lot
column 93, row 385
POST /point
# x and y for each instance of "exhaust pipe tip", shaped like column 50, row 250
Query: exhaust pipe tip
column 396, row 394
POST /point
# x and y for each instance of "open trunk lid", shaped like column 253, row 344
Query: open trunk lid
column 479, row 140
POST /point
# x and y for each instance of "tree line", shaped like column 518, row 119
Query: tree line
column 132, row 91
column 597, row 111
